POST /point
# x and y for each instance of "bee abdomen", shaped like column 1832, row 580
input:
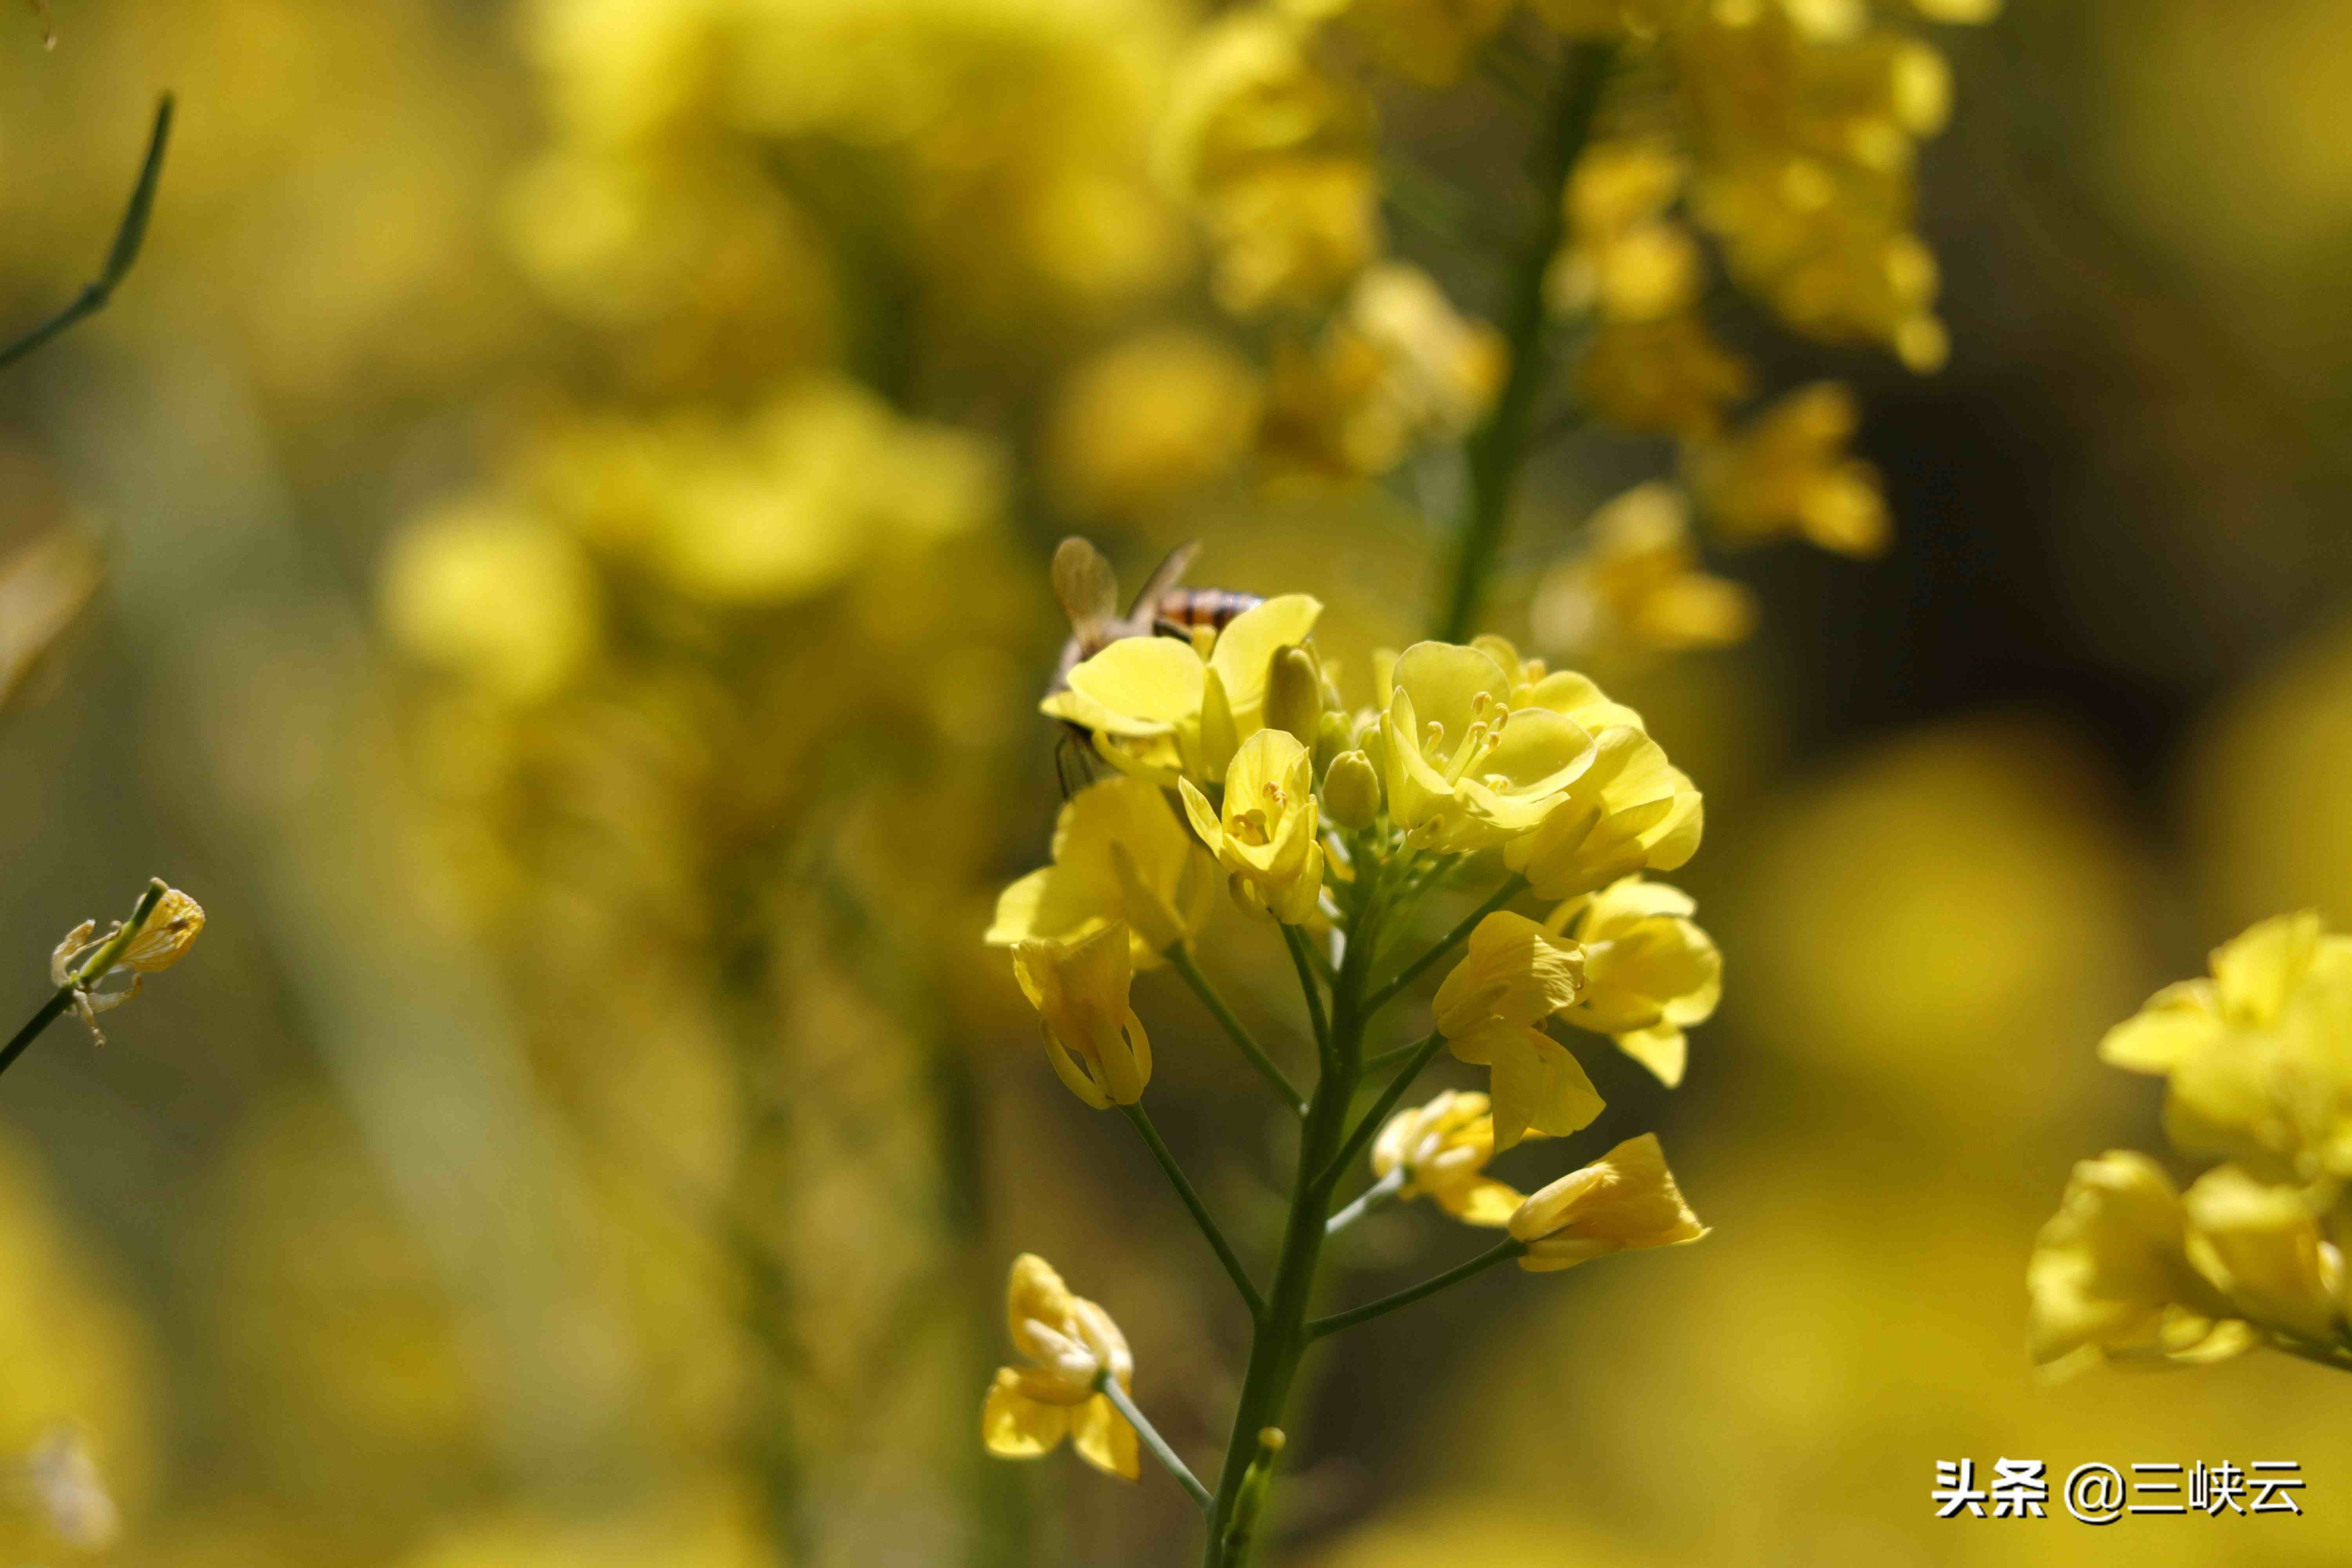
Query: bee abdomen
column 1213, row 607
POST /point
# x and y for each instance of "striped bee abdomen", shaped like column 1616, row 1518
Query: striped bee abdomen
column 1182, row 609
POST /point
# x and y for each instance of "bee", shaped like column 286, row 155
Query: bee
column 1088, row 590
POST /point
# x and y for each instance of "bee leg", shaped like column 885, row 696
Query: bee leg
column 1074, row 761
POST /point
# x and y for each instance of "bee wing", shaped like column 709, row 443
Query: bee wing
column 1166, row 575
column 1085, row 584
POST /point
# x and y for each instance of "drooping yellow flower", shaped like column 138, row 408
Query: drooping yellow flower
column 1514, row 975
column 1072, row 1344
column 1159, row 710
column 2260, row 1247
column 1265, row 831
column 1119, row 854
column 1638, row 583
column 1093, row 1037
column 1625, row 1200
column 170, row 924
column 1463, row 770
column 1789, row 472
column 2110, row 1276
column 1649, row 971
column 1442, row 1149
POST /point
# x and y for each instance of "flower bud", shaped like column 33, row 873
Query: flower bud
column 1351, row 791
column 1294, row 694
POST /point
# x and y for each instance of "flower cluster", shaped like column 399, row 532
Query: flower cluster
column 2257, row 1063
column 1232, row 759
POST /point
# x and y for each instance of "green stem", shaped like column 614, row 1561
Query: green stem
column 1368, row 1200
column 1124, row 1403
column 1181, row 961
column 1494, row 450
column 128, row 238
column 1511, row 889
column 1282, row 1339
column 1423, row 1054
column 1200, row 1216
column 1308, row 983
column 1501, row 1252
column 50, row 1012
column 2313, row 1352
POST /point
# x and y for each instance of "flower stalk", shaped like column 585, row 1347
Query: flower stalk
column 1494, row 450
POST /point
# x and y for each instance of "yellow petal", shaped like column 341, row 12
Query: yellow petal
column 1664, row 1050
column 1482, row 1201
column 1104, row 1438
column 1245, row 649
column 2175, row 1023
column 1142, row 686
column 1015, row 1426
column 2254, row 970
column 1534, row 1081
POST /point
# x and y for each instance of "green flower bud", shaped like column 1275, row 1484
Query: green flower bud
column 1294, row 694
column 1351, row 791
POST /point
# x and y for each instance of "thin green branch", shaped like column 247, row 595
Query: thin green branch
column 1423, row 1054
column 1511, row 889
column 51, row 1010
column 1368, row 1200
column 125, row 250
column 1181, row 961
column 1501, row 1252
column 1124, row 1403
column 1494, row 450
column 1310, row 983
column 1200, row 1216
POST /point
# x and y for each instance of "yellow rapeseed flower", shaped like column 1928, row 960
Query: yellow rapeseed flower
column 1649, row 971
column 1265, row 831
column 1159, row 710
column 1464, row 771
column 1625, row 1200
column 1513, row 976
column 1093, row 1037
column 1631, row 810
column 1637, row 582
column 2110, row 1276
column 1788, row 471
column 2255, row 975
column 1442, row 1149
column 1071, row 1343
column 2258, row 1058
column 2260, row 1247
column 1119, row 854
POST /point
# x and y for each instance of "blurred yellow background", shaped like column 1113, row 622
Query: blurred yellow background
column 576, row 478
